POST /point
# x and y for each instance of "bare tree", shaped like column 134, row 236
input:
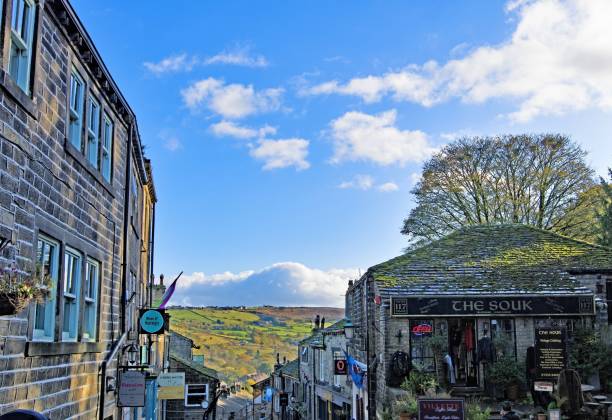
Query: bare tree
column 539, row 180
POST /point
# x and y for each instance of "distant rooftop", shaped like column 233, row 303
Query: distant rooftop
column 291, row 368
column 490, row 259
column 211, row 373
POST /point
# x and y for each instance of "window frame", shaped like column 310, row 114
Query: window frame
column 196, row 394
column 419, row 350
column 91, row 303
column 76, row 114
column 74, row 296
column 107, row 149
column 92, row 138
column 16, row 41
column 56, row 268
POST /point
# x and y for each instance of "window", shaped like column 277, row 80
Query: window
column 107, row 148
column 72, row 289
column 47, row 262
column 90, row 299
column 77, row 89
column 93, row 131
column 22, row 39
column 421, row 353
column 195, row 394
column 130, row 292
column 305, row 355
column 322, row 366
column 134, row 185
column 502, row 331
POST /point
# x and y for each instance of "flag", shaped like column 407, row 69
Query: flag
column 357, row 370
column 169, row 292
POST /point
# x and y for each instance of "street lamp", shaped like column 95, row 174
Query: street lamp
column 349, row 329
column 132, row 353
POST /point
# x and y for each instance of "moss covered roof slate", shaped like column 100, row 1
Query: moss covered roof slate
column 493, row 259
column 195, row 366
column 291, row 368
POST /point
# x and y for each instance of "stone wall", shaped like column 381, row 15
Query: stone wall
column 48, row 187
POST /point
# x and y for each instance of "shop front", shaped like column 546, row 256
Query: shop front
column 473, row 326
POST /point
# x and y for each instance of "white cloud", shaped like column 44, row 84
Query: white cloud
column 185, row 62
column 415, row 178
column 172, row 64
column 375, row 138
column 282, row 153
column 238, row 57
column 231, row 101
column 281, row 284
column 388, row 187
column 361, row 182
column 366, row 182
column 558, row 60
column 230, row 129
column 170, row 141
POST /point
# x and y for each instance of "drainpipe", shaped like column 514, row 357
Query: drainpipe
column 126, row 223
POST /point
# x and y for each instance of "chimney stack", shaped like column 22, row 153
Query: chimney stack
column 317, row 322
column 161, row 279
column 322, row 323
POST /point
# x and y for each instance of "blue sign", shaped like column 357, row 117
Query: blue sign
column 152, row 321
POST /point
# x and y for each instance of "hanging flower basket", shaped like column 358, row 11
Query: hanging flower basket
column 12, row 303
column 17, row 290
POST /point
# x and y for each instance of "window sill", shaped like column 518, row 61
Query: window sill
column 22, row 99
column 42, row 348
column 80, row 158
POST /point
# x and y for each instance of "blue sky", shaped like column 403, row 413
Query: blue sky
column 286, row 136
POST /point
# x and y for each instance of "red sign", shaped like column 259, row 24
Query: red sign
column 340, row 367
column 422, row 329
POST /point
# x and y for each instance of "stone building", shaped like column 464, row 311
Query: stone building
column 286, row 380
column 77, row 205
column 324, row 395
column 480, row 281
column 201, row 382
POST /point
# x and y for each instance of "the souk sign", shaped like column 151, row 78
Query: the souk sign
column 493, row 305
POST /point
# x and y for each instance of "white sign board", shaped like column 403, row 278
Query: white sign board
column 171, row 386
column 543, row 386
column 131, row 389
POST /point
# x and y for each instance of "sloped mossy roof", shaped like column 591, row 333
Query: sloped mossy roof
column 493, row 259
column 211, row 373
column 291, row 368
column 317, row 335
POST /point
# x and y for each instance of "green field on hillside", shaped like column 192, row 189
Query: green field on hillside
column 240, row 342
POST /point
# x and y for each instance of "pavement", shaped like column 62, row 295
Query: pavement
column 240, row 404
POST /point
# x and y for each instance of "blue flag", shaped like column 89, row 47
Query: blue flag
column 357, row 370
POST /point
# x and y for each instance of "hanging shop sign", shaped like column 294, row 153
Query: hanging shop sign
column 131, row 389
column 283, row 399
column 340, row 367
column 152, row 321
column 441, row 409
column 550, row 352
column 492, row 305
column 171, row 386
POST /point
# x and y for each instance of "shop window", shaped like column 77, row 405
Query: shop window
column 47, row 259
column 195, row 394
column 421, row 354
column 22, row 41
column 72, row 290
column 502, row 333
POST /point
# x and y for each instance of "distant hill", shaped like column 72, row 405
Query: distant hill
column 240, row 342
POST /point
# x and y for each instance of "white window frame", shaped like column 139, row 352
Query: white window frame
column 22, row 42
column 93, row 130
column 130, row 301
column 305, row 354
column 106, row 149
column 90, row 299
column 76, row 101
column 195, row 394
column 47, row 333
column 71, row 294
column 322, row 365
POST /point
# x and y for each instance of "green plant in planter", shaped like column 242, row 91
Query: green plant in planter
column 419, row 382
column 407, row 405
column 439, row 346
column 505, row 371
column 589, row 353
column 473, row 411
